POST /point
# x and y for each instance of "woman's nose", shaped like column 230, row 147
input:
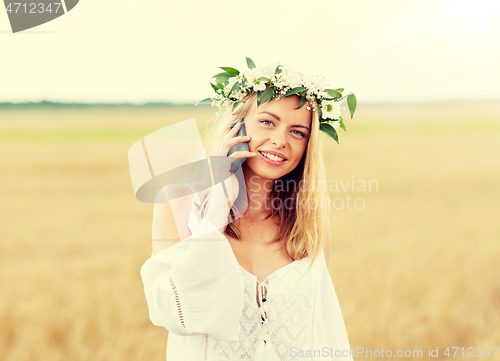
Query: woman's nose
column 278, row 139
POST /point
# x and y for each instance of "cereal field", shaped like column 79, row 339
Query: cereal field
column 415, row 259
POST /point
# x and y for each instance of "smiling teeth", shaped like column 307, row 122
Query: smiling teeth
column 272, row 157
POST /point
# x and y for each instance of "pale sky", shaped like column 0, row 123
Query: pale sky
column 152, row 50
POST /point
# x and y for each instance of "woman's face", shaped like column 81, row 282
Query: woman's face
column 277, row 129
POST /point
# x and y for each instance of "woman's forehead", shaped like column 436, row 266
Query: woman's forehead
column 285, row 109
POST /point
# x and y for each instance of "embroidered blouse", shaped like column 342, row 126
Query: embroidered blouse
column 215, row 310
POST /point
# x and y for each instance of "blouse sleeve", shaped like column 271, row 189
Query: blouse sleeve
column 331, row 320
column 195, row 286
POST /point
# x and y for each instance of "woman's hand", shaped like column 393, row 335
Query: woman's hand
column 220, row 165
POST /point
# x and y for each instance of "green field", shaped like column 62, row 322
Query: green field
column 416, row 267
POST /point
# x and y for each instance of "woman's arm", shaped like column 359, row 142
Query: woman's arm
column 194, row 286
column 165, row 233
column 170, row 219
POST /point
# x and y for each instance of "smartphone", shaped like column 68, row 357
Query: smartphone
column 243, row 146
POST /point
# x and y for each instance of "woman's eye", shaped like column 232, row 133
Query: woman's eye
column 271, row 123
column 299, row 133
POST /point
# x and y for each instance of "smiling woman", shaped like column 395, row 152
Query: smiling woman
column 252, row 282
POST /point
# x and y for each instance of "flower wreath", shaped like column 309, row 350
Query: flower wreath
column 274, row 81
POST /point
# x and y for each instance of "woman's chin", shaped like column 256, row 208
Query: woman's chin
column 251, row 169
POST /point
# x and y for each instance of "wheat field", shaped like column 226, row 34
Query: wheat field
column 415, row 258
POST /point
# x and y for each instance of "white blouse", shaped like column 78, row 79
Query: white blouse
column 215, row 310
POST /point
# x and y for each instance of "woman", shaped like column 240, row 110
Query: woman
column 256, row 287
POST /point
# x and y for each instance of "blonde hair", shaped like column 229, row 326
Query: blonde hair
column 303, row 226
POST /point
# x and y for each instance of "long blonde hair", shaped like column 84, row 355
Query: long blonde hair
column 303, row 218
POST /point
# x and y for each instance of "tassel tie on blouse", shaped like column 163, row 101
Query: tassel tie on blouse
column 265, row 350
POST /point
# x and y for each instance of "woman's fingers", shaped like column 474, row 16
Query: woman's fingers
column 232, row 131
column 233, row 141
column 229, row 140
column 223, row 164
column 242, row 154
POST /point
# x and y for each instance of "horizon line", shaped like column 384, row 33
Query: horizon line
column 49, row 103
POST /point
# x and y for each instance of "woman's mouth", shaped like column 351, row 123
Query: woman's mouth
column 271, row 159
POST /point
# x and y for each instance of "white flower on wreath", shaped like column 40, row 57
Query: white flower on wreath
column 251, row 75
column 318, row 81
column 261, row 86
column 295, row 79
column 330, row 109
column 334, row 123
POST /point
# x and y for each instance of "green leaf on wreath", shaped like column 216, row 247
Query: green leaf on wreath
column 330, row 131
column 333, row 93
column 234, row 88
column 262, row 78
column 294, row 91
column 221, row 77
column 214, row 87
column 264, row 96
column 230, row 71
column 250, row 63
column 342, row 125
column 303, row 100
column 351, row 103
column 206, row 100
